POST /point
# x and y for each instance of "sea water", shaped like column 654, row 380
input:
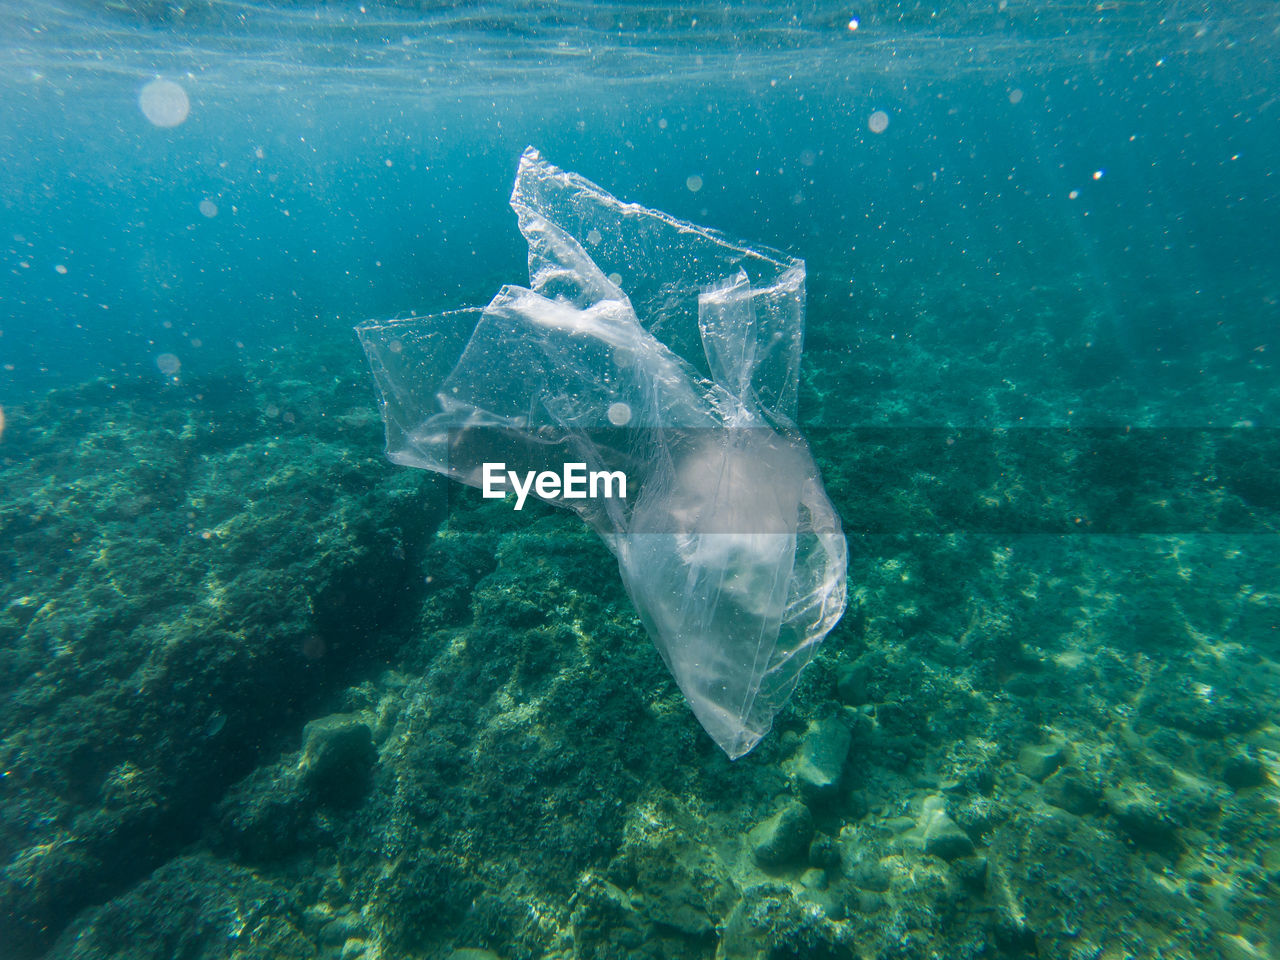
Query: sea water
column 264, row 692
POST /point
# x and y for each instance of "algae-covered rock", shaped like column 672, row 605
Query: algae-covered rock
column 1074, row 791
column 771, row 921
column 512, row 755
column 923, row 887
column 664, row 895
column 869, row 875
column 605, row 924
column 824, row 853
column 1072, row 881
column 262, row 817
column 944, row 838
column 972, row 872
column 680, row 907
column 1244, row 770
column 937, row 834
column 337, row 757
column 1142, row 815
column 194, row 906
column 341, row 928
column 783, row 838
column 851, row 683
column 1038, row 761
column 1200, row 706
column 193, row 580
column 669, row 865
column 818, row 766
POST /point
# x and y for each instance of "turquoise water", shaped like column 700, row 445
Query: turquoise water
column 266, row 694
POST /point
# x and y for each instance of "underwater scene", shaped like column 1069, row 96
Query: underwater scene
column 518, row 480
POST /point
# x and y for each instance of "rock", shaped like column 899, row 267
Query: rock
column 1071, row 790
column 1037, row 762
column 813, row 879
column 868, row 901
column 942, row 836
column 980, row 779
column 353, row 948
column 856, row 806
column 263, row 816
column 899, row 825
column 784, row 837
column 1168, row 743
column 1013, row 934
column 824, row 853
column 769, row 920
column 869, row 875
column 1198, row 706
column 1142, row 817
column 817, row 768
column 851, row 683
column 340, row 929
column 192, row 906
column 1243, row 771
column 1235, row 947
column 972, row 872
column 337, row 757
column 238, row 566
column 1191, row 801
column 670, row 873
column 679, row 906
column 1271, row 856
column 604, row 922
column 978, row 815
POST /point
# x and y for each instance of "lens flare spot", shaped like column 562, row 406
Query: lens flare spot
column 619, row 414
column 164, row 103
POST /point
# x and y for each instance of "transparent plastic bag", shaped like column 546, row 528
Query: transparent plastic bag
column 726, row 541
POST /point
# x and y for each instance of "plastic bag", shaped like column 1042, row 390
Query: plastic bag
column 726, row 541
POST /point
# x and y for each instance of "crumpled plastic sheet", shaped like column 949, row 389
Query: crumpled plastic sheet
column 663, row 349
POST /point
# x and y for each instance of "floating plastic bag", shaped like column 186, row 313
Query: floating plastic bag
column 686, row 383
